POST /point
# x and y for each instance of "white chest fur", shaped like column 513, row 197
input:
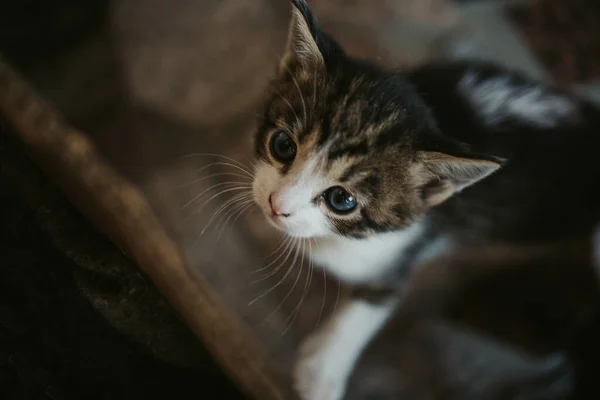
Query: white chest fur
column 328, row 357
column 363, row 260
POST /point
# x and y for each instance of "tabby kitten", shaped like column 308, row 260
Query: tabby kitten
column 350, row 155
column 367, row 162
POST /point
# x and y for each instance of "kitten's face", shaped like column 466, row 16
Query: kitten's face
column 326, row 164
column 347, row 149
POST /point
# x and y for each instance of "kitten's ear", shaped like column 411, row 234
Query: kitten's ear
column 443, row 175
column 302, row 46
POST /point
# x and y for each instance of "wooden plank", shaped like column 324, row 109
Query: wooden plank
column 119, row 209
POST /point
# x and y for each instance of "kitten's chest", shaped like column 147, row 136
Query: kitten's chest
column 363, row 260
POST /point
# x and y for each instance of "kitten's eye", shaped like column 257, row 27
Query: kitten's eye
column 283, row 147
column 339, row 200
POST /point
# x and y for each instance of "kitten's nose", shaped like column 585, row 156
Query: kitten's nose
column 276, row 210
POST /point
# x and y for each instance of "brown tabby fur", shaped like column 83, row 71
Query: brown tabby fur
column 379, row 140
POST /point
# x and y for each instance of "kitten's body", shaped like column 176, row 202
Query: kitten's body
column 413, row 160
column 545, row 193
column 498, row 322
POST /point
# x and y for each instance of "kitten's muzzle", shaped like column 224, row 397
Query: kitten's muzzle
column 276, row 211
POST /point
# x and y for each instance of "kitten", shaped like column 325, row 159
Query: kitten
column 367, row 163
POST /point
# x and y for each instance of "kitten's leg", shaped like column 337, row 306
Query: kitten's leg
column 327, row 357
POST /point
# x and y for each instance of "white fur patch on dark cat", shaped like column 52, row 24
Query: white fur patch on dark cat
column 498, row 99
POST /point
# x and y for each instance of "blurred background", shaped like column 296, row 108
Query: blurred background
column 161, row 86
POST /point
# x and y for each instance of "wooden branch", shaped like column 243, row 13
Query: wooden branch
column 119, row 209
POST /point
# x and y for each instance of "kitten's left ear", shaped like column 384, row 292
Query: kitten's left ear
column 443, row 175
column 303, row 39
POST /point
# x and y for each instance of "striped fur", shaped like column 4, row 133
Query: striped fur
column 359, row 127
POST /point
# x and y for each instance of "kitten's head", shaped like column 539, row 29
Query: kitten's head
column 346, row 148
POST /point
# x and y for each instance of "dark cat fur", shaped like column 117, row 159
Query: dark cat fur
column 500, row 322
column 545, row 193
column 385, row 125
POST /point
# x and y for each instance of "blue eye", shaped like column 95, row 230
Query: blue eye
column 283, row 147
column 339, row 200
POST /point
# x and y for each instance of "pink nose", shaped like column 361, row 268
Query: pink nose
column 276, row 210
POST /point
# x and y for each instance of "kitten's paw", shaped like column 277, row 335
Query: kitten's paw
column 327, row 358
column 316, row 376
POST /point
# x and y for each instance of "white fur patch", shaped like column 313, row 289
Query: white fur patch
column 363, row 260
column 293, row 194
column 497, row 99
column 327, row 358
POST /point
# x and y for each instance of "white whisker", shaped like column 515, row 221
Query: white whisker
column 231, row 202
column 305, row 291
column 241, row 213
column 288, row 242
column 245, row 187
column 215, row 155
column 252, row 163
column 289, row 293
column 281, row 242
column 194, row 181
column 236, row 210
column 289, row 270
column 247, row 173
column 270, row 274
column 302, row 99
column 199, row 195
column 289, row 105
column 337, row 297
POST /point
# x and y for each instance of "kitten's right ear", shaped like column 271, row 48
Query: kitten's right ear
column 443, row 175
column 302, row 47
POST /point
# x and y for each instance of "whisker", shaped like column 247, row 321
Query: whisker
column 232, row 201
column 307, row 283
column 236, row 210
column 323, row 301
column 303, row 103
column 242, row 168
column 278, row 283
column 288, row 294
column 207, row 225
column 288, row 104
column 198, row 196
column 270, row 274
column 287, row 241
column 337, row 298
column 245, row 112
column 248, row 188
column 194, row 181
column 324, row 298
column 241, row 213
column 278, row 93
column 214, row 155
column 252, row 163
column 279, row 245
column 299, row 92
